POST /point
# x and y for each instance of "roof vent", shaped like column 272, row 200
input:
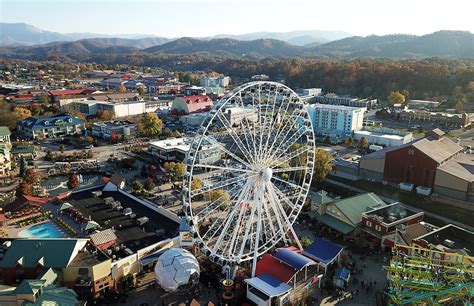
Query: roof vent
column 448, row 243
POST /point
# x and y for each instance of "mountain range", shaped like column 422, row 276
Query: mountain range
column 27, row 42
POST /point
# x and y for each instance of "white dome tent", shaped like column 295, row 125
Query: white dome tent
column 176, row 270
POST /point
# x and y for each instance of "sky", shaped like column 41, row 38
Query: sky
column 199, row 18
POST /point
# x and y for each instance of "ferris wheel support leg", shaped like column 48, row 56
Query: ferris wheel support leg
column 296, row 237
column 259, row 227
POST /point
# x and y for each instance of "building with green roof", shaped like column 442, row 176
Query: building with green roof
column 345, row 215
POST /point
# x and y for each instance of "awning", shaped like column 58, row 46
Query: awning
column 269, row 285
column 150, row 258
column 65, row 206
column 90, row 225
column 293, row 259
column 336, row 224
column 323, row 250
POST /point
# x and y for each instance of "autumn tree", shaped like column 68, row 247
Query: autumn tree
column 121, row 88
column 21, row 113
column 137, row 186
column 150, row 125
column 196, row 184
column 221, row 196
column 174, row 170
column 24, row 189
column 349, row 141
column 32, row 177
column 44, row 99
column 73, row 181
column 395, row 97
column 104, row 115
column 149, row 184
column 363, row 143
column 141, row 90
column 322, row 165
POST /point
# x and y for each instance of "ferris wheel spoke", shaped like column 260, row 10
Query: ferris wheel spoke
column 210, row 208
column 284, row 131
column 293, row 154
column 245, row 119
column 277, row 199
column 224, row 168
column 223, row 148
column 284, row 147
column 270, row 123
column 221, row 184
column 234, row 136
column 242, row 206
column 290, row 169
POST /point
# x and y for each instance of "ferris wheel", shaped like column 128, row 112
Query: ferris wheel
column 248, row 172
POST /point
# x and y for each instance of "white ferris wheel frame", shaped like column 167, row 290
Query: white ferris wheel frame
column 262, row 179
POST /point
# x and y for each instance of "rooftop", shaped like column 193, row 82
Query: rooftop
column 437, row 149
column 461, row 166
column 4, row 131
column 451, row 237
column 339, row 107
column 392, row 213
column 127, row 230
column 114, row 123
column 354, row 207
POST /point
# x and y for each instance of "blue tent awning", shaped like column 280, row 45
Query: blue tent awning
column 323, row 250
column 293, row 259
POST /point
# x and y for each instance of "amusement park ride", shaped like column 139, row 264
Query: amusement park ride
column 419, row 276
column 246, row 203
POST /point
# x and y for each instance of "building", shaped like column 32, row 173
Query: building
column 175, row 149
column 114, row 128
column 336, row 121
column 56, row 95
column 280, row 274
column 117, row 109
column 342, row 215
column 260, row 77
column 5, row 151
column 423, row 104
column 437, row 118
column 417, row 161
column 333, row 99
column 194, row 91
column 434, row 162
column 385, row 220
column 191, row 104
column 235, row 115
column 449, row 238
column 383, row 136
column 42, row 290
column 50, row 127
column 311, row 92
column 193, row 119
column 112, row 82
column 220, row 81
column 81, row 266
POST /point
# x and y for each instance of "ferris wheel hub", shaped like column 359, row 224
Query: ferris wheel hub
column 267, row 175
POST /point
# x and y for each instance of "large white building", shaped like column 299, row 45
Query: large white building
column 118, row 109
column 220, row 81
column 384, row 136
column 175, row 149
column 336, row 121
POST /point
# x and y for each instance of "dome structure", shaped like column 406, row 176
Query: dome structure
column 176, row 270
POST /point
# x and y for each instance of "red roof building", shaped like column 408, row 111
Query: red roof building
column 270, row 265
column 191, row 104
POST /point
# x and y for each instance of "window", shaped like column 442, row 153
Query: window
column 378, row 228
column 411, row 152
column 368, row 223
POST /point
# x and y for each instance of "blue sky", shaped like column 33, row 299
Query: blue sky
column 174, row 18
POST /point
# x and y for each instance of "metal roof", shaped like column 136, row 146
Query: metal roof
column 323, row 250
column 29, row 252
column 461, row 166
column 293, row 259
column 268, row 284
column 4, row 131
column 104, row 236
column 353, row 207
